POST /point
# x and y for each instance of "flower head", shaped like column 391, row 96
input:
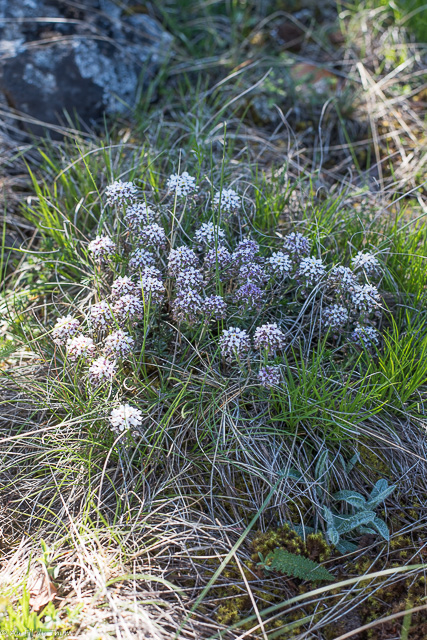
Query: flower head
column 252, row 272
column 80, row 347
column 151, row 272
column 228, row 199
column 125, row 417
column 335, row 316
column 269, row 337
column 189, row 278
column 367, row 262
column 249, row 295
column 65, row 327
column 187, row 307
column 342, row 278
column 121, row 192
column 365, row 298
column 215, row 308
column 152, row 235
column 280, row 264
column 181, row 258
column 296, row 245
column 102, row 248
column 269, row 376
column 118, row 344
column 140, row 258
column 245, row 252
column 311, row 271
column 128, row 307
column 209, row 234
column 123, row 285
column 234, row 343
column 139, row 214
column 219, row 258
column 182, row 184
column 101, row 315
column 365, row 336
column 102, row 370
column 152, row 288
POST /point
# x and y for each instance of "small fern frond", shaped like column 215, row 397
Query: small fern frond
column 296, row 566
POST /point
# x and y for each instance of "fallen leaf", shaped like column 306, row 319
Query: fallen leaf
column 310, row 78
column 304, row 70
column 41, row 588
column 289, row 36
column 336, row 38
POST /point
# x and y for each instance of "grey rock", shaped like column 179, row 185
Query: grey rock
column 62, row 56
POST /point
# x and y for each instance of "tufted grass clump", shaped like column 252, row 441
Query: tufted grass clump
column 199, row 352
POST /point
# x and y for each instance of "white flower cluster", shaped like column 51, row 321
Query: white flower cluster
column 280, row 264
column 367, row 262
column 270, row 338
column 311, row 271
column 189, row 278
column 365, row 298
column 365, row 336
column 182, row 184
column 118, row 344
column 65, row 327
column 102, row 371
column 209, row 234
column 80, row 347
column 335, row 316
column 269, row 376
column 101, row 315
column 125, row 417
column 227, row 199
column 152, row 287
column 234, row 343
column 123, row 285
column 180, row 259
column 128, row 307
column 342, row 278
column 139, row 214
column 140, row 258
column 102, row 248
column 152, row 235
column 296, row 244
column 121, row 192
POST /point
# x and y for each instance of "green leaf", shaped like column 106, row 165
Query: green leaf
column 328, row 516
column 301, row 529
column 354, row 460
column 320, row 468
column 333, row 535
column 351, row 497
column 368, row 530
column 344, row 546
column 344, row 524
column 379, row 493
column 379, row 487
column 297, row 566
column 381, row 527
column 293, row 473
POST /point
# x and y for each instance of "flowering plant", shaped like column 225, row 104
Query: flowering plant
column 221, row 288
